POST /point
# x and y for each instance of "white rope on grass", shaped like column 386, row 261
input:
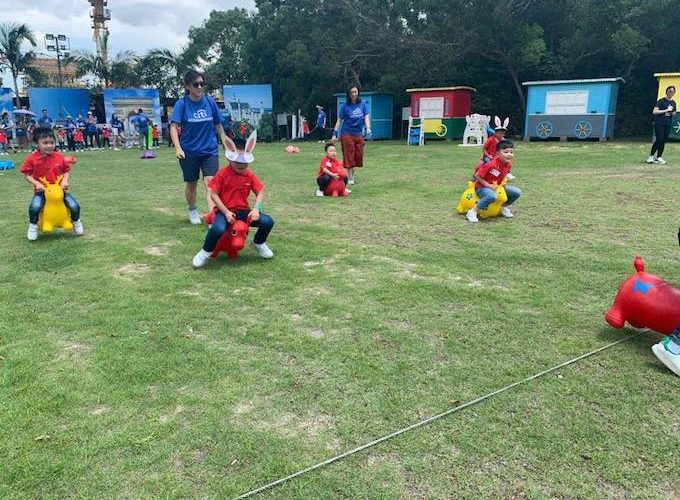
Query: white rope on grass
column 433, row 418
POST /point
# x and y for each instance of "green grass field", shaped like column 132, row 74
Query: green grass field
column 155, row 380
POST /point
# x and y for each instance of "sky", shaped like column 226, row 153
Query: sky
column 136, row 25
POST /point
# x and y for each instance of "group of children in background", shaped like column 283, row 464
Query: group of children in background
column 82, row 134
column 103, row 139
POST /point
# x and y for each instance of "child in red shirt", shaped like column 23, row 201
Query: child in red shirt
column 3, row 142
column 330, row 168
column 106, row 137
column 492, row 174
column 47, row 163
column 229, row 190
column 79, row 139
column 491, row 144
column 156, row 136
column 305, row 130
column 61, row 137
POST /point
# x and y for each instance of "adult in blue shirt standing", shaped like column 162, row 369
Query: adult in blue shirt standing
column 70, row 130
column 92, row 132
column 141, row 121
column 353, row 120
column 320, row 126
column 45, row 120
column 196, row 149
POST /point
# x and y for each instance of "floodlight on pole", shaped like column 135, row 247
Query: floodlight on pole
column 59, row 44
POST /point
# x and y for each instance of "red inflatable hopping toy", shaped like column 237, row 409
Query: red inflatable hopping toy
column 234, row 238
column 646, row 301
column 336, row 187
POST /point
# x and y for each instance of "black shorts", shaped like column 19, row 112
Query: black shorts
column 193, row 166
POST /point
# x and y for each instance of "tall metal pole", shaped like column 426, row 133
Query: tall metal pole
column 59, row 64
column 57, row 39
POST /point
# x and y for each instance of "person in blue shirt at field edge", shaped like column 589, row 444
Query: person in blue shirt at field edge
column 320, row 126
column 45, row 121
column 196, row 149
column 353, row 119
column 141, row 121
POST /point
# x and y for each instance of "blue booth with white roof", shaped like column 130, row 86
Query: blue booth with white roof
column 580, row 109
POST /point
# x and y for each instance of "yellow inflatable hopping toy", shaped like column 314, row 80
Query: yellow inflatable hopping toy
column 54, row 214
column 469, row 199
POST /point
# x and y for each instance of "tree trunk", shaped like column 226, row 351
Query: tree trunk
column 16, row 89
column 520, row 92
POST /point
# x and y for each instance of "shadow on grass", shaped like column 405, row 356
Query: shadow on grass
column 642, row 344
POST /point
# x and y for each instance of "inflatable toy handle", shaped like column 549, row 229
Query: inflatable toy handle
column 639, row 264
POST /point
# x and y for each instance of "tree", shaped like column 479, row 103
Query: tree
column 310, row 49
column 12, row 37
column 218, row 45
column 164, row 69
column 119, row 71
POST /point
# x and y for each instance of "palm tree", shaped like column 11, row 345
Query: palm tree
column 173, row 60
column 117, row 71
column 164, row 69
column 12, row 37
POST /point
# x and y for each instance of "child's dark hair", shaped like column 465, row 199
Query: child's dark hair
column 327, row 145
column 348, row 100
column 670, row 87
column 42, row 133
column 504, row 144
column 190, row 77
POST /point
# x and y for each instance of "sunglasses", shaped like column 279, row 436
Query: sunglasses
column 198, row 85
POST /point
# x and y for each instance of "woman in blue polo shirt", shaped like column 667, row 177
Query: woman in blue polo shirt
column 196, row 149
column 353, row 119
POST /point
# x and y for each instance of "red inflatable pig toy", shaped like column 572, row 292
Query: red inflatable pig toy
column 234, row 238
column 646, row 301
column 336, row 187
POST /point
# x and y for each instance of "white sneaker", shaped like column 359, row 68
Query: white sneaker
column 348, row 190
column 666, row 356
column 194, row 217
column 471, row 215
column 78, row 227
column 200, row 258
column 650, row 159
column 505, row 212
column 350, row 182
column 263, row 250
column 32, row 233
column 319, row 192
column 660, row 161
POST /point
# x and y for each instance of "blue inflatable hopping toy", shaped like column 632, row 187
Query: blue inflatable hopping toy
column 6, row 165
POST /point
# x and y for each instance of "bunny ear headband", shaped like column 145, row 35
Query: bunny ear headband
column 504, row 126
column 242, row 156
